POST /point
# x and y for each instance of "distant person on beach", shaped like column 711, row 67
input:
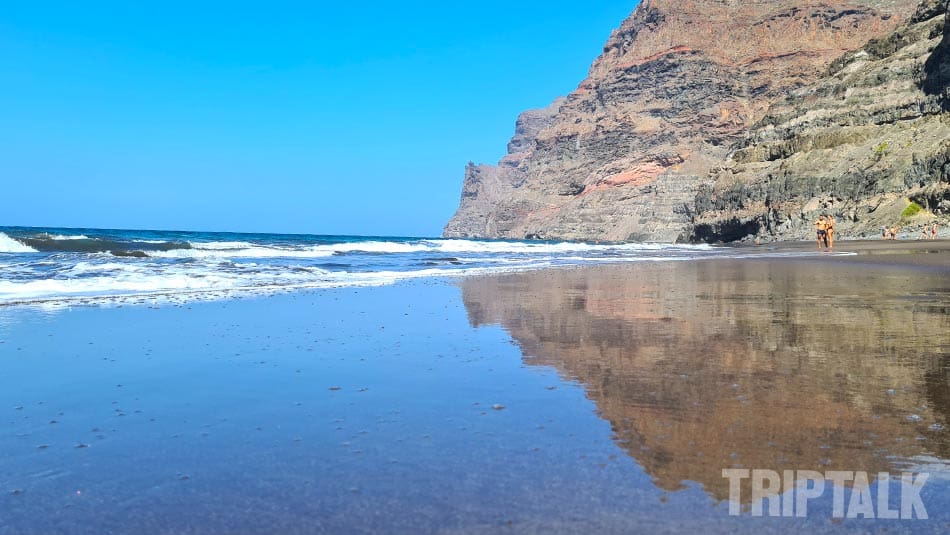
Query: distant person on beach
column 933, row 232
column 924, row 234
column 822, row 226
column 883, row 232
column 830, row 232
column 894, row 231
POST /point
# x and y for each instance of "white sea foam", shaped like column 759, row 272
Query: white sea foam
column 9, row 245
column 247, row 252
column 110, row 279
column 373, row 247
column 222, row 245
column 103, row 286
column 500, row 247
column 82, row 268
column 250, row 250
column 129, row 281
column 64, row 237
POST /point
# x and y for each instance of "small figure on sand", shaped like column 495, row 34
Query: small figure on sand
column 822, row 226
column 933, row 231
column 892, row 233
column 830, row 231
column 883, row 232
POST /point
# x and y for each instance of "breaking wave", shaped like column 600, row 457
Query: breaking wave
column 85, row 244
column 9, row 245
column 251, row 250
column 91, row 265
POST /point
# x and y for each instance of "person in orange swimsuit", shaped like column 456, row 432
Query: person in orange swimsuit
column 830, row 232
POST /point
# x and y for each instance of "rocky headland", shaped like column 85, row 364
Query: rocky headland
column 718, row 120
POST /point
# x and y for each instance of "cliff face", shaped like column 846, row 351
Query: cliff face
column 678, row 84
column 861, row 144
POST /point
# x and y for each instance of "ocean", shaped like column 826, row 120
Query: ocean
column 575, row 388
column 63, row 266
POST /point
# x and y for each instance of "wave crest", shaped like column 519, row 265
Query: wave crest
column 9, row 245
column 235, row 249
column 83, row 244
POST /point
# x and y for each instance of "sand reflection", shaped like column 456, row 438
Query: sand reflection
column 700, row 366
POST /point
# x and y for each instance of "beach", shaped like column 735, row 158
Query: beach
column 576, row 399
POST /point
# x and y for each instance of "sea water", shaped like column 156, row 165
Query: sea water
column 60, row 266
column 55, row 265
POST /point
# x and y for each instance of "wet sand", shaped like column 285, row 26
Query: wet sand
column 603, row 399
column 907, row 253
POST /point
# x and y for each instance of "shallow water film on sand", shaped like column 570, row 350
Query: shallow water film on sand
column 604, row 399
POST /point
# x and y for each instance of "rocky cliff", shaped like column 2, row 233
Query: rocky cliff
column 637, row 151
column 861, row 143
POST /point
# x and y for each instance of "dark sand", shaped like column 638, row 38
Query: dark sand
column 622, row 391
column 907, row 253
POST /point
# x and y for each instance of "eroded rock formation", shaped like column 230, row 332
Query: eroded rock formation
column 636, row 151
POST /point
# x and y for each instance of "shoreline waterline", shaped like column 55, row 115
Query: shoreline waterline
column 53, row 267
column 62, row 267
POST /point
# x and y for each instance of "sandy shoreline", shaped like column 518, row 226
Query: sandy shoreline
column 597, row 399
column 908, row 253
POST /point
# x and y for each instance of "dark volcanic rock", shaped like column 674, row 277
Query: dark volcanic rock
column 937, row 68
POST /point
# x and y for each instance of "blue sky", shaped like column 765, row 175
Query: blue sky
column 310, row 117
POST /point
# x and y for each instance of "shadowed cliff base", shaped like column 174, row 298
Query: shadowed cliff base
column 822, row 363
column 937, row 67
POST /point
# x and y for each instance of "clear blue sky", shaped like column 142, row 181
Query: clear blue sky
column 347, row 117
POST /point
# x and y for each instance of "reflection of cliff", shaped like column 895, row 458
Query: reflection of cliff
column 701, row 366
